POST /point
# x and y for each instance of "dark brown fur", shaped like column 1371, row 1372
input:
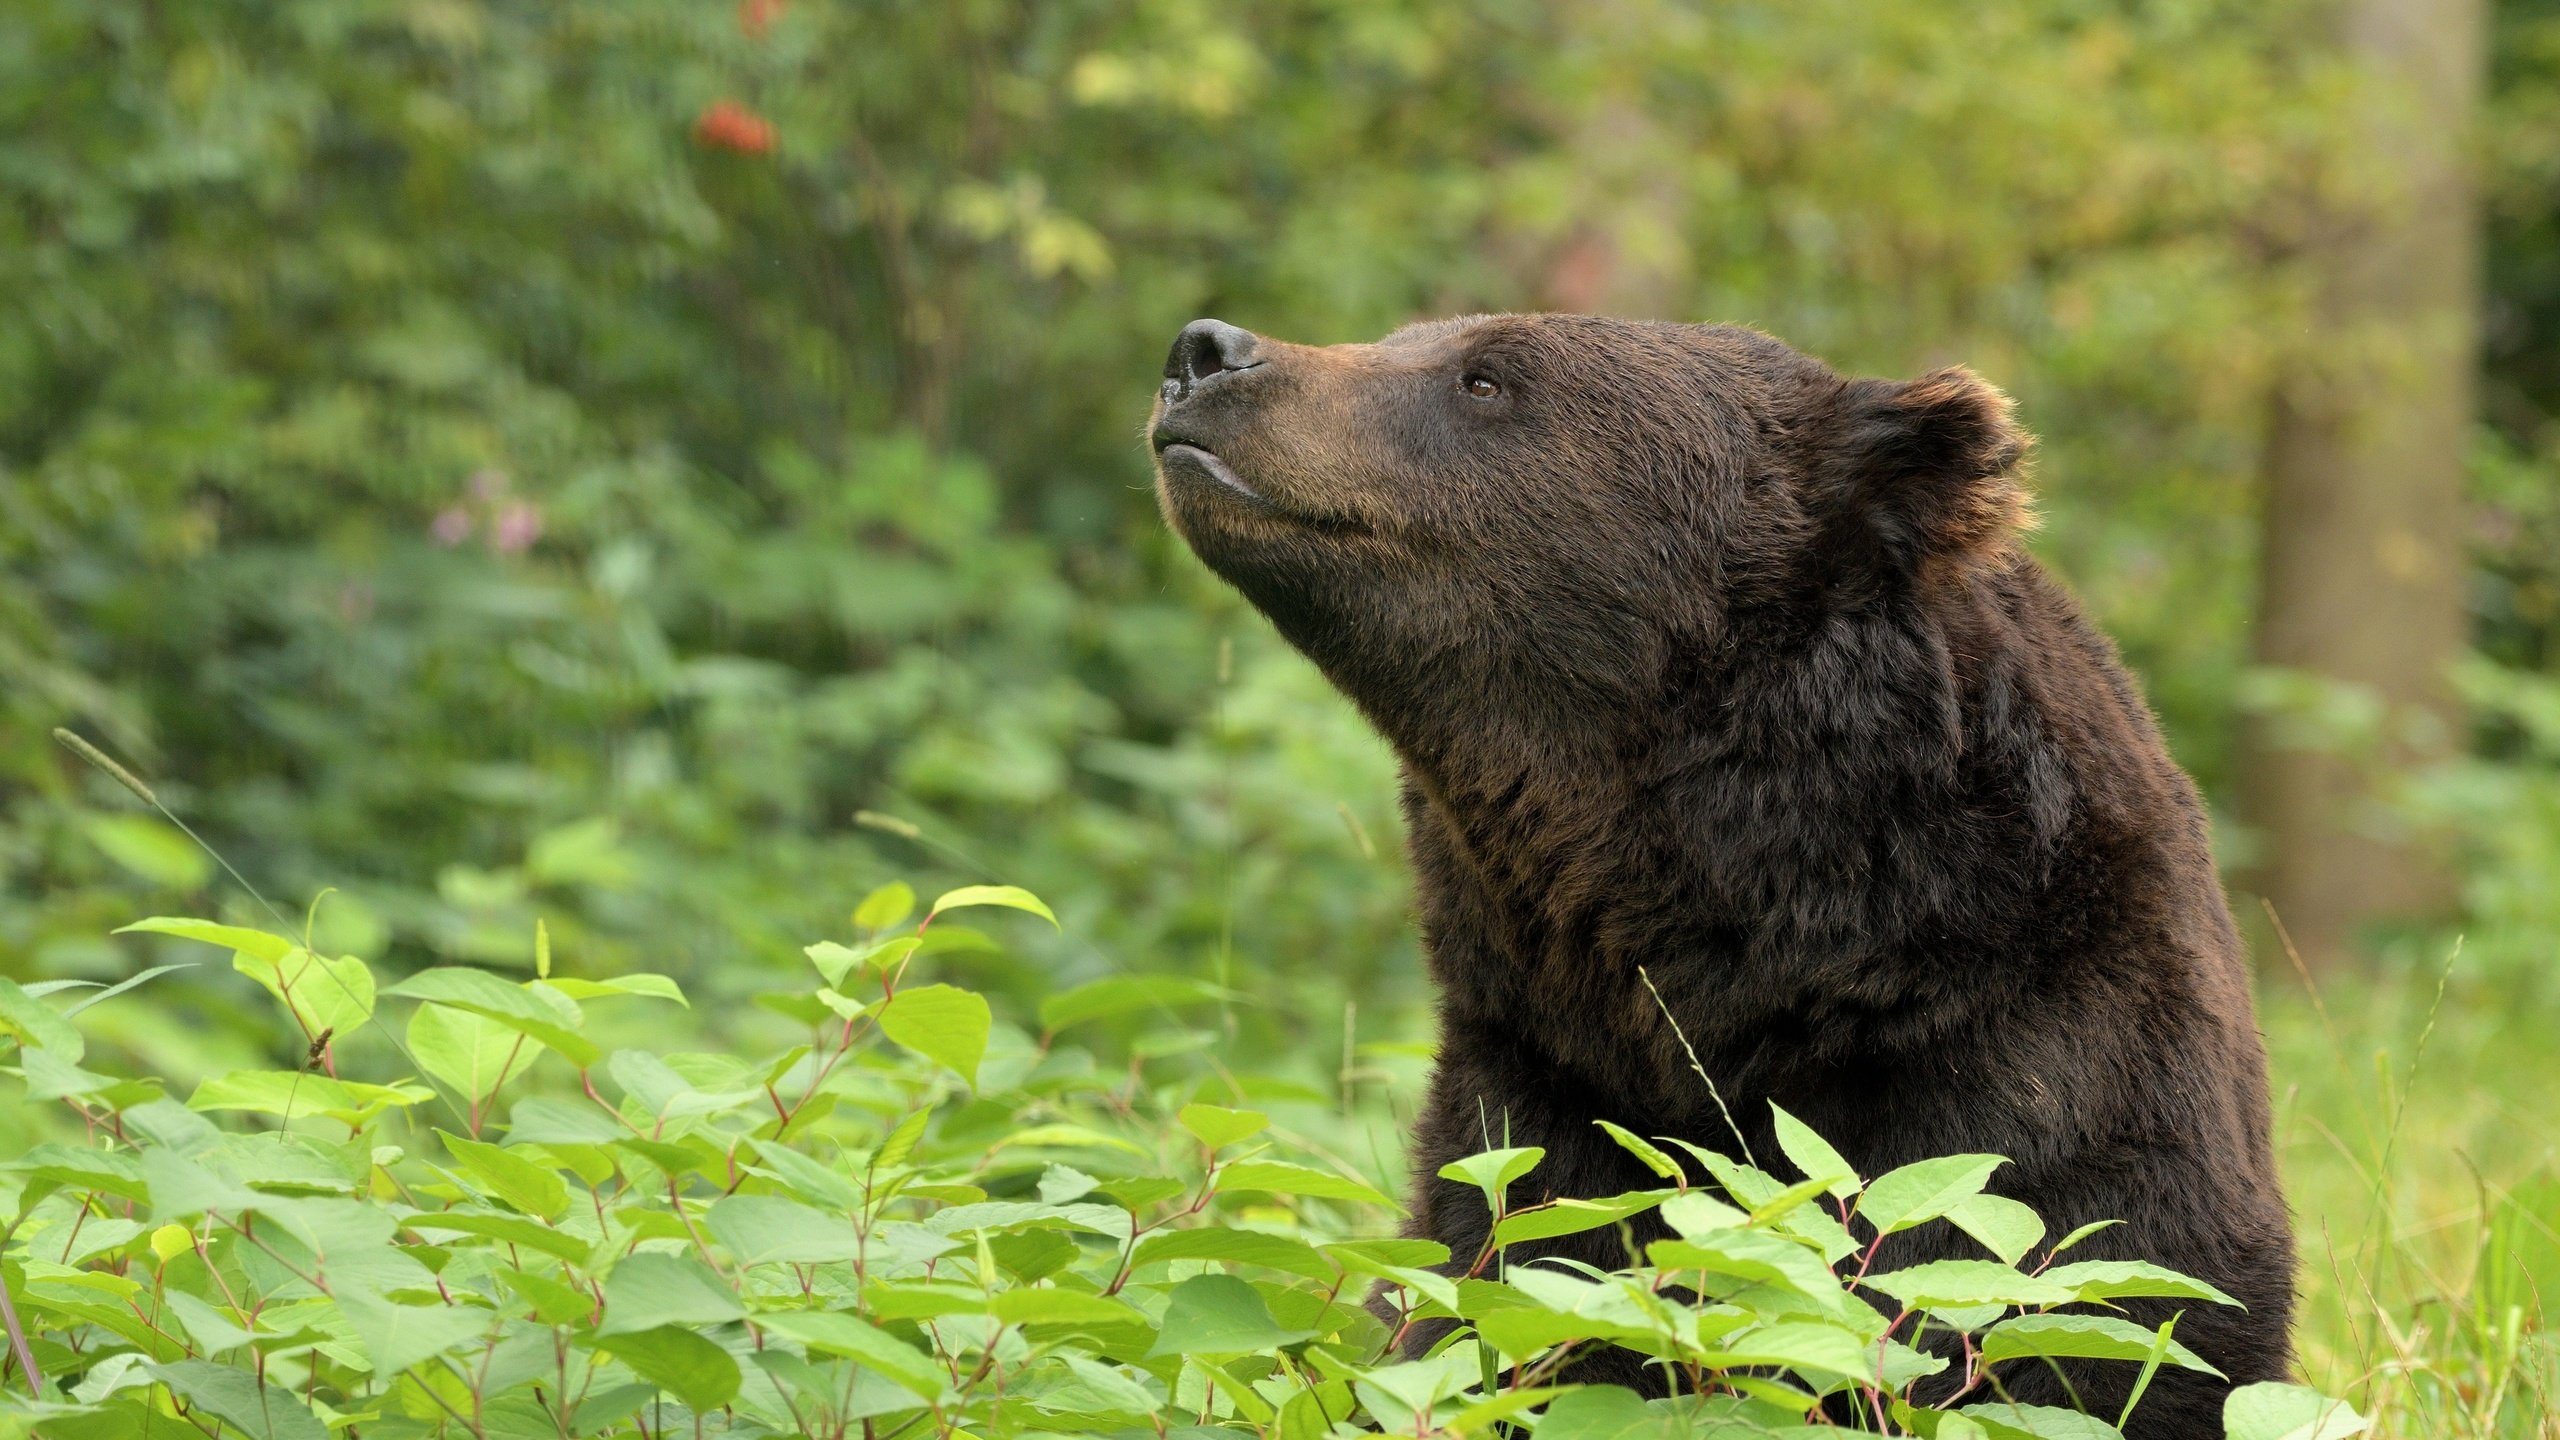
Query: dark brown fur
column 1701, row 658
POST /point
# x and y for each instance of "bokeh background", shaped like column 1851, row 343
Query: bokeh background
column 666, row 466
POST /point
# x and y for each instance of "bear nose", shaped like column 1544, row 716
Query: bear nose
column 1206, row 348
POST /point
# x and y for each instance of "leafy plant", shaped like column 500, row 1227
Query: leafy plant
column 925, row 1220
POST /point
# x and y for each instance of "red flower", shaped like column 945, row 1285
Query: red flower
column 757, row 16
column 728, row 125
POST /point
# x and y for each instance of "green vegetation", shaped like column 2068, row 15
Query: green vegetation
column 655, row 469
column 920, row 1221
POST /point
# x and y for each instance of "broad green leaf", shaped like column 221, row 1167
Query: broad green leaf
column 1011, row 897
column 551, row 1020
column 838, row 961
column 1758, row 1256
column 807, row 1178
column 768, row 1229
column 942, row 1023
column 1599, row 1412
column 292, row 1093
column 2094, row 1337
column 1122, row 994
column 653, row 1288
column 536, row 1190
column 1277, row 1177
column 1047, row 1306
column 1243, row 1247
column 885, row 906
column 1695, row 1213
column 2272, row 1410
column 258, row 943
column 1944, row 1283
column 549, row 1120
column 862, row 1342
column 2005, row 1227
column 1918, row 1193
column 1813, row 1155
column 1493, row 1171
column 654, row 987
column 1218, row 1127
column 498, row 1225
column 80, row 1168
column 1572, row 1217
column 398, row 1336
column 36, row 1025
column 2131, row 1279
column 1220, row 1315
column 2002, row 1420
column 685, row 1365
column 261, row 1412
column 326, row 997
column 471, row 1053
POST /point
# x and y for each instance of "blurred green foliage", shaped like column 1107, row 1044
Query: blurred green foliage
column 580, row 457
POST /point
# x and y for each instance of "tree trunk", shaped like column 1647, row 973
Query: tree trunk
column 2362, row 574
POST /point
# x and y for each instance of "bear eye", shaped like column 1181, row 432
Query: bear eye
column 1480, row 387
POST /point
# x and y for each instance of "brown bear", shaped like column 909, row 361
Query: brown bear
column 1702, row 658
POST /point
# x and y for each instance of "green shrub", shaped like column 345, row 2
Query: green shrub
column 924, row 1221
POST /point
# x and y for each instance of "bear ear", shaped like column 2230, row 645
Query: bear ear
column 1925, row 472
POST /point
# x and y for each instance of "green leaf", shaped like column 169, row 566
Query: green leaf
column 259, row 943
column 1918, row 1193
column 942, row 1023
column 1049, row 1306
column 513, row 1229
column 2093, row 1337
column 1011, row 897
column 2132, row 1279
column 1946, row 1283
column 261, row 1412
column 1644, row 1150
column 536, row 1190
column 1219, row 1315
column 768, row 1229
column 1280, row 1178
column 1122, row 994
column 838, row 961
column 324, row 996
column 1493, row 1171
column 885, row 906
column 1218, row 1127
column 1599, row 1412
column 551, row 1020
column 2002, row 1420
column 398, row 1336
column 1572, row 1217
column 681, row 1363
column 2005, row 1227
column 38, row 1026
column 292, row 1093
column 2083, row 1233
column 652, row 1288
column 1242, row 1247
column 654, row 987
column 471, row 1053
column 2272, row 1410
column 862, row 1342
column 1813, row 1155
column 1758, row 1256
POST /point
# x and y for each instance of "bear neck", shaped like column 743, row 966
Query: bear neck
column 1815, row 786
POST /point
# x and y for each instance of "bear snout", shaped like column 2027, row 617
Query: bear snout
column 1204, row 350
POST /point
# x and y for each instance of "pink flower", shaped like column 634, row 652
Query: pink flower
column 516, row 528
column 452, row 525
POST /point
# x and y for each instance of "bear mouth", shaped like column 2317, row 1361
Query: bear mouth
column 1188, row 456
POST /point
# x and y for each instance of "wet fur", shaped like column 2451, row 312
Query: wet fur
column 1703, row 659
